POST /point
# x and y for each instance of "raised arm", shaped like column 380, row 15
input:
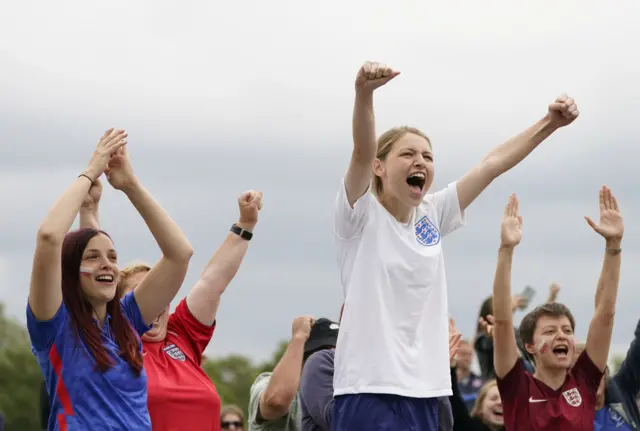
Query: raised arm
column 611, row 228
column 505, row 348
column 162, row 283
column 89, row 211
column 45, row 292
column 504, row 157
column 276, row 399
column 358, row 177
column 554, row 290
column 204, row 298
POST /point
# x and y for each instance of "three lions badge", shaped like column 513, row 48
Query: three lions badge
column 427, row 233
column 174, row 352
column 573, row 397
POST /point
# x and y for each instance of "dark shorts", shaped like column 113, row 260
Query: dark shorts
column 384, row 412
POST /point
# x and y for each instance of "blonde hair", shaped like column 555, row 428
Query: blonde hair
column 385, row 145
column 232, row 409
column 133, row 268
column 476, row 412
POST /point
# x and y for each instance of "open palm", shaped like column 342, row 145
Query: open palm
column 611, row 223
column 511, row 229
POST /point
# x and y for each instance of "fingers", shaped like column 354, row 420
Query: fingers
column 377, row 71
column 251, row 197
column 566, row 106
column 490, row 319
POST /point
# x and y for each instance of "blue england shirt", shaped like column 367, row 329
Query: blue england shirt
column 81, row 397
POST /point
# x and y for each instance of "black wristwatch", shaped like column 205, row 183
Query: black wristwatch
column 244, row 234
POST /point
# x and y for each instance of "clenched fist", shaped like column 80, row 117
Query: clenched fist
column 93, row 197
column 250, row 203
column 563, row 111
column 301, row 327
column 373, row 75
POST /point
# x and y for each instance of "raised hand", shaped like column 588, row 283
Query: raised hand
column 454, row 341
column 487, row 325
column 511, row 229
column 563, row 111
column 519, row 302
column 93, row 197
column 611, row 224
column 109, row 143
column 119, row 170
column 554, row 290
column 250, row 203
column 373, row 75
column 301, row 327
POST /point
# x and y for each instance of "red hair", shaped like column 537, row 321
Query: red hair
column 81, row 312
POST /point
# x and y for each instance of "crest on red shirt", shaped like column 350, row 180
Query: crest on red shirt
column 174, row 352
column 573, row 397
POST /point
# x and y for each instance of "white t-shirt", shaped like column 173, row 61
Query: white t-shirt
column 394, row 332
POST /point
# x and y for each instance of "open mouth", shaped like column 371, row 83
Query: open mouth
column 561, row 351
column 416, row 181
column 105, row 279
column 497, row 412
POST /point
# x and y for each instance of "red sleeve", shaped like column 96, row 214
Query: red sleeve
column 586, row 370
column 191, row 329
column 513, row 386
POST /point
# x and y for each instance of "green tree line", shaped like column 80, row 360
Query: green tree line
column 21, row 379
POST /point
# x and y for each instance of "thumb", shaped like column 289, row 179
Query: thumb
column 556, row 106
column 390, row 77
column 490, row 319
column 592, row 224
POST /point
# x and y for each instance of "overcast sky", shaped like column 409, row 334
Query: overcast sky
column 219, row 97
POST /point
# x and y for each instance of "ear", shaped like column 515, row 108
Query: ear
column 378, row 167
column 530, row 348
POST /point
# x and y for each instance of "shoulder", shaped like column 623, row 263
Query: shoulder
column 260, row 382
column 321, row 359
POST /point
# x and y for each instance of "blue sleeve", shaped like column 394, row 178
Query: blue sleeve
column 132, row 311
column 628, row 376
column 316, row 388
column 43, row 332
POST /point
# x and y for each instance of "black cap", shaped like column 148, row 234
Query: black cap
column 324, row 335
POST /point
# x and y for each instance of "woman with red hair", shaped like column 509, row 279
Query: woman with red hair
column 86, row 340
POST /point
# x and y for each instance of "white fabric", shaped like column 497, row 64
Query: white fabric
column 394, row 331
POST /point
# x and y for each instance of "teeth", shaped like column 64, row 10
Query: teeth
column 418, row 175
column 107, row 278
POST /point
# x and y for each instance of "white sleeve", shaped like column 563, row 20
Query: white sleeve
column 447, row 207
column 349, row 222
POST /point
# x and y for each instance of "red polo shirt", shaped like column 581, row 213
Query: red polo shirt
column 530, row 405
column 181, row 396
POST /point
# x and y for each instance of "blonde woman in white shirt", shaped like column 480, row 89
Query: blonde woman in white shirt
column 392, row 358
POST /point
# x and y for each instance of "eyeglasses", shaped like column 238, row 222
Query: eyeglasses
column 236, row 424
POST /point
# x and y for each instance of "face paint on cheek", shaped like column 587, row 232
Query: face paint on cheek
column 542, row 346
column 85, row 270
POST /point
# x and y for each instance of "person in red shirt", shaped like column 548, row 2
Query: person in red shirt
column 180, row 394
column 558, row 396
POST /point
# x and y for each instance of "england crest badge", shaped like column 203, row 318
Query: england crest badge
column 174, row 352
column 426, row 232
column 573, row 397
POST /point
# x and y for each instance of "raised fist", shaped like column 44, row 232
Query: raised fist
column 250, row 203
column 563, row 111
column 373, row 75
column 301, row 327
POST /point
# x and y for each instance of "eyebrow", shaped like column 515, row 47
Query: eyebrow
column 95, row 250
column 414, row 151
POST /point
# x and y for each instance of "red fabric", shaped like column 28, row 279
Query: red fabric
column 61, row 389
column 530, row 405
column 181, row 396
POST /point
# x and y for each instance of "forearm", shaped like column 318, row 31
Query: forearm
column 506, row 156
column 364, row 127
column 89, row 217
column 607, row 290
column 502, row 303
column 224, row 263
column 285, row 379
column 170, row 238
column 61, row 216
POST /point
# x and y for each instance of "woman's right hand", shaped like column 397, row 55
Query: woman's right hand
column 110, row 142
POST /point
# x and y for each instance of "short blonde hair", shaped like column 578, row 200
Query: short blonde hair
column 385, row 145
column 133, row 268
column 234, row 410
column 476, row 412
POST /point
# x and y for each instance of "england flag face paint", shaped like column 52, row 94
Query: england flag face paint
column 86, row 270
column 542, row 346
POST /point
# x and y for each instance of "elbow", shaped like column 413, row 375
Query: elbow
column 493, row 166
column 606, row 317
column 277, row 403
column 48, row 236
column 181, row 255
